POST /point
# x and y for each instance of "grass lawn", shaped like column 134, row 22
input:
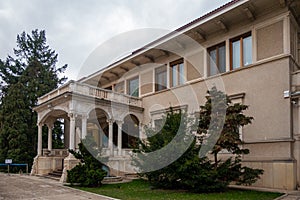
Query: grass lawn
column 140, row 189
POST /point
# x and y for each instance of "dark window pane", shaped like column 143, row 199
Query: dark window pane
column 161, row 78
column 181, row 74
column 222, row 59
column 174, row 75
column 212, row 62
column 133, row 87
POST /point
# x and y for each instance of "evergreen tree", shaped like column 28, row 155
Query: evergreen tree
column 218, row 129
column 31, row 73
column 227, row 116
column 89, row 171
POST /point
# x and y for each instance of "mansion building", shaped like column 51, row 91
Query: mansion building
column 250, row 49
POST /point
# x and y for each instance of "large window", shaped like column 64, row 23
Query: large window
column 217, row 59
column 133, row 87
column 177, row 73
column 160, row 78
column 241, row 51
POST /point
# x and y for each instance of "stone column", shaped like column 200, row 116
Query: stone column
column 83, row 126
column 119, row 137
column 50, row 126
column 140, row 134
column 66, row 133
column 110, row 136
column 40, row 139
column 72, row 131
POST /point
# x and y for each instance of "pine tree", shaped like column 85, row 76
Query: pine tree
column 220, row 122
column 217, row 129
column 89, row 171
column 31, row 73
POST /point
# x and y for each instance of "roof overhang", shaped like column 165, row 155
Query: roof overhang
column 218, row 21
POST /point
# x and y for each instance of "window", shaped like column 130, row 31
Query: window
column 133, row 87
column 160, row 78
column 119, row 87
column 159, row 123
column 108, row 88
column 217, row 61
column 241, row 51
column 177, row 73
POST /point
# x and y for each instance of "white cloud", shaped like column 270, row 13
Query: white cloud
column 75, row 28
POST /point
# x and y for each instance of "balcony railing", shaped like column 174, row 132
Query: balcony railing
column 91, row 91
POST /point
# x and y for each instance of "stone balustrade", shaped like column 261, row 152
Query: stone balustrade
column 91, row 91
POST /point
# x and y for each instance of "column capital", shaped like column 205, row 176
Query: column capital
column 110, row 121
column 50, row 125
column 84, row 116
column 40, row 124
column 119, row 122
column 72, row 115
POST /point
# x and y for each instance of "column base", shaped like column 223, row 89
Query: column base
column 34, row 167
column 69, row 163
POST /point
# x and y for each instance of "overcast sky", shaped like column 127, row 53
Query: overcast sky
column 74, row 29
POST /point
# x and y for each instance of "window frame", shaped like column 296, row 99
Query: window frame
column 158, row 71
column 240, row 38
column 128, row 86
column 180, row 79
column 217, row 63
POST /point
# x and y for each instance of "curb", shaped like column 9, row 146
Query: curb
column 281, row 197
column 99, row 195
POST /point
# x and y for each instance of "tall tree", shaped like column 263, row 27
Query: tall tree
column 30, row 73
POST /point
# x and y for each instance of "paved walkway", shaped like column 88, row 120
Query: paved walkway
column 32, row 187
column 292, row 195
column 36, row 188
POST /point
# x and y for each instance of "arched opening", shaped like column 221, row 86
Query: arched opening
column 55, row 133
column 98, row 127
column 130, row 131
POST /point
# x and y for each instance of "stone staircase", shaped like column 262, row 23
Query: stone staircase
column 55, row 175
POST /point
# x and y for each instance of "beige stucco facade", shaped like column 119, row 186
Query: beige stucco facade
column 269, row 84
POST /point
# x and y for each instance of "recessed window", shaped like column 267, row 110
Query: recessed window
column 133, row 87
column 119, row 87
column 161, row 78
column 217, row 59
column 177, row 73
column 108, row 88
column 241, row 51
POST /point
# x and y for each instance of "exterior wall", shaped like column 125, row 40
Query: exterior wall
column 266, row 37
column 46, row 165
column 269, row 137
column 195, row 65
column 146, row 82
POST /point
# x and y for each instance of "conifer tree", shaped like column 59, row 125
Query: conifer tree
column 29, row 74
column 217, row 129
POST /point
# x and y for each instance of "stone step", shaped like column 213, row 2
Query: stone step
column 131, row 176
column 52, row 177
column 112, row 179
column 49, row 177
column 55, row 173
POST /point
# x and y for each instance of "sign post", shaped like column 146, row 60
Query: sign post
column 8, row 162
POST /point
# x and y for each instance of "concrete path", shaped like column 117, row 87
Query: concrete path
column 32, row 187
column 291, row 195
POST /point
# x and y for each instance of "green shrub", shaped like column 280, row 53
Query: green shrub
column 193, row 170
column 89, row 172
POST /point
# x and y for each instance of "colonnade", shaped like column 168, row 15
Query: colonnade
column 71, row 135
